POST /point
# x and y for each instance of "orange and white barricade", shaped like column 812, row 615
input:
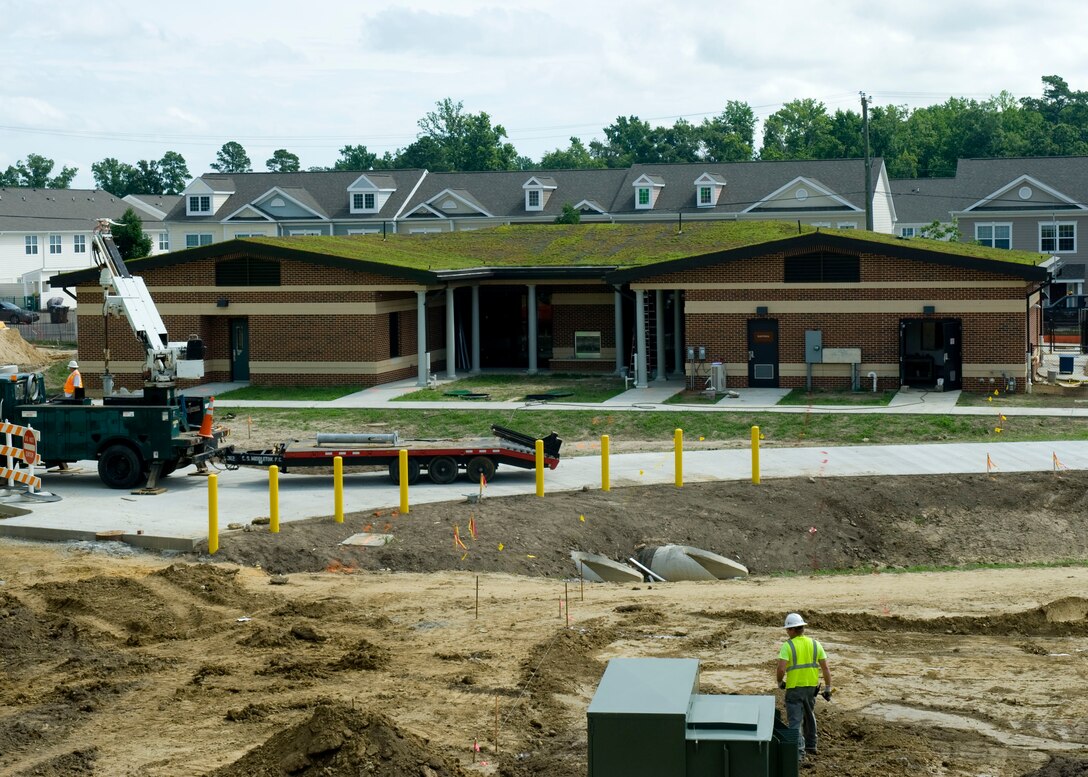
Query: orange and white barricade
column 21, row 460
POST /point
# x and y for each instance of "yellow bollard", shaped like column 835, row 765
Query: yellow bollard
column 274, row 499
column 402, row 462
column 540, row 468
column 678, row 454
column 338, row 488
column 213, row 514
column 606, row 483
column 755, row 455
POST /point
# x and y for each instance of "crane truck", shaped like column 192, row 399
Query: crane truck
column 135, row 437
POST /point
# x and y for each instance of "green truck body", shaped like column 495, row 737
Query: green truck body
column 132, row 437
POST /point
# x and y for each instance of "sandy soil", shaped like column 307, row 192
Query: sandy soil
column 293, row 654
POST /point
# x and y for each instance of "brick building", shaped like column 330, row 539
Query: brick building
column 360, row 310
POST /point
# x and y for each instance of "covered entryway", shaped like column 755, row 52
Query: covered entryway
column 763, row 353
column 931, row 353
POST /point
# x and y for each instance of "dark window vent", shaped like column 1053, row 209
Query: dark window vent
column 247, row 271
column 822, row 268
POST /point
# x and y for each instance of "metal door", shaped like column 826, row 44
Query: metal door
column 951, row 336
column 239, row 349
column 763, row 353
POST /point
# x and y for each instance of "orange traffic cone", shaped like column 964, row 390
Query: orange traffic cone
column 206, row 424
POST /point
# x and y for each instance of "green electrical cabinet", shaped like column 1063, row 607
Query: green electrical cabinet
column 638, row 717
column 647, row 720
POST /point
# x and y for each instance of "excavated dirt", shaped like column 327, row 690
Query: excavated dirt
column 294, row 655
column 15, row 350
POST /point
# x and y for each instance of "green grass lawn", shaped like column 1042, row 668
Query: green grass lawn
column 515, row 386
column 298, row 393
column 1070, row 398
column 727, row 428
column 802, row 397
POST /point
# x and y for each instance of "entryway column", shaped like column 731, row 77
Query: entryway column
column 677, row 335
column 421, row 336
column 475, row 328
column 451, row 337
column 640, row 338
column 659, row 339
column 532, row 329
column 618, row 323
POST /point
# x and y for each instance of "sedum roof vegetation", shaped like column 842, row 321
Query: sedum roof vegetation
column 594, row 245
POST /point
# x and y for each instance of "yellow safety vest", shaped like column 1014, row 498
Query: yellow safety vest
column 802, row 655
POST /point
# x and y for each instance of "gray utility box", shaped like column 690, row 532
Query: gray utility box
column 646, row 720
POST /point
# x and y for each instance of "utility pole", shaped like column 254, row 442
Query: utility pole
column 868, row 163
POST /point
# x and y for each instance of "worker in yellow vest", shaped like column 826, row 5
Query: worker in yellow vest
column 801, row 660
column 75, row 380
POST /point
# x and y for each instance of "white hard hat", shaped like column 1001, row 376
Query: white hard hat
column 793, row 620
column 72, row 365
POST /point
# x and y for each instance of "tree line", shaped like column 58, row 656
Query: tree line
column 915, row 143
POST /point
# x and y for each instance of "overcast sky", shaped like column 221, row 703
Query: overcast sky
column 132, row 79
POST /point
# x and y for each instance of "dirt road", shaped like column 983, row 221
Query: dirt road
column 387, row 661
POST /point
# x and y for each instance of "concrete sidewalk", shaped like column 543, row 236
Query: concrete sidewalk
column 177, row 520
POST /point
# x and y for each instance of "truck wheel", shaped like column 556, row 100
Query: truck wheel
column 480, row 465
column 119, row 467
column 442, row 469
column 413, row 471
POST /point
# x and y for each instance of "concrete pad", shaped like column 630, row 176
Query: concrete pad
column 753, row 397
column 654, row 394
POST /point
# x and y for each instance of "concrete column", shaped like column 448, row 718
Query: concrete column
column 659, row 340
column 451, row 337
column 476, row 328
column 677, row 336
column 621, row 348
column 532, row 329
column 421, row 337
column 640, row 337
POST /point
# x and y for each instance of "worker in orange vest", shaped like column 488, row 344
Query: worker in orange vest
column 75, row 380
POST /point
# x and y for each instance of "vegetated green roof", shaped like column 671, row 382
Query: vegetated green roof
column 592, row 245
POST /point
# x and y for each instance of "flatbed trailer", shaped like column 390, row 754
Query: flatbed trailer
column 442, row 462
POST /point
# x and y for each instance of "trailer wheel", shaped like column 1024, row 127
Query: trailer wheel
column 119, row 467
column 442, row 469
column 480, row 465
column 413, row 471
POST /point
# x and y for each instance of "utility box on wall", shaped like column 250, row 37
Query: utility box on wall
column 646, row 720
column 814, row 344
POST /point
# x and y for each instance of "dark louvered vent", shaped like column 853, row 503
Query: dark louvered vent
column 247, row 271
column 822, row 268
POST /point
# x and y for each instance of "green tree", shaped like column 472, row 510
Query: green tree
column 355, row 158
column 628, row 140
column 575, row 157
column 570, row 215
column 464, row 141
column 936, row 230
column 132, row 242
column 729, row 136
column 148, row 177
column 283, row 161
column 35, row 173
column 116, row 177
column 800, row 129
column 232, row 158
column 175, row 173
column 682, row 143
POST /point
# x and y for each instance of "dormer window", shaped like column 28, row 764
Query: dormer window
column 363, row 202
column 200, row 203
column 537, row 191
column 708, row 188
column 647, row 187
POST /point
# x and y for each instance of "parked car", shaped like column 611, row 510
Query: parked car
column 1065, row 311
column 14, row 314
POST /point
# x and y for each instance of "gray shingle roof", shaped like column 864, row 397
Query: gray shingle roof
column 925, row 200
column 23, row 209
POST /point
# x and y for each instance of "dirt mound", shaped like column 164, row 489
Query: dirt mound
column 1062, row 767
column 214, row 585
column 792, row 525
column 1062, row 618
column 15, row 350
column 338, row 740
column 73, row 764
column 27, row 636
